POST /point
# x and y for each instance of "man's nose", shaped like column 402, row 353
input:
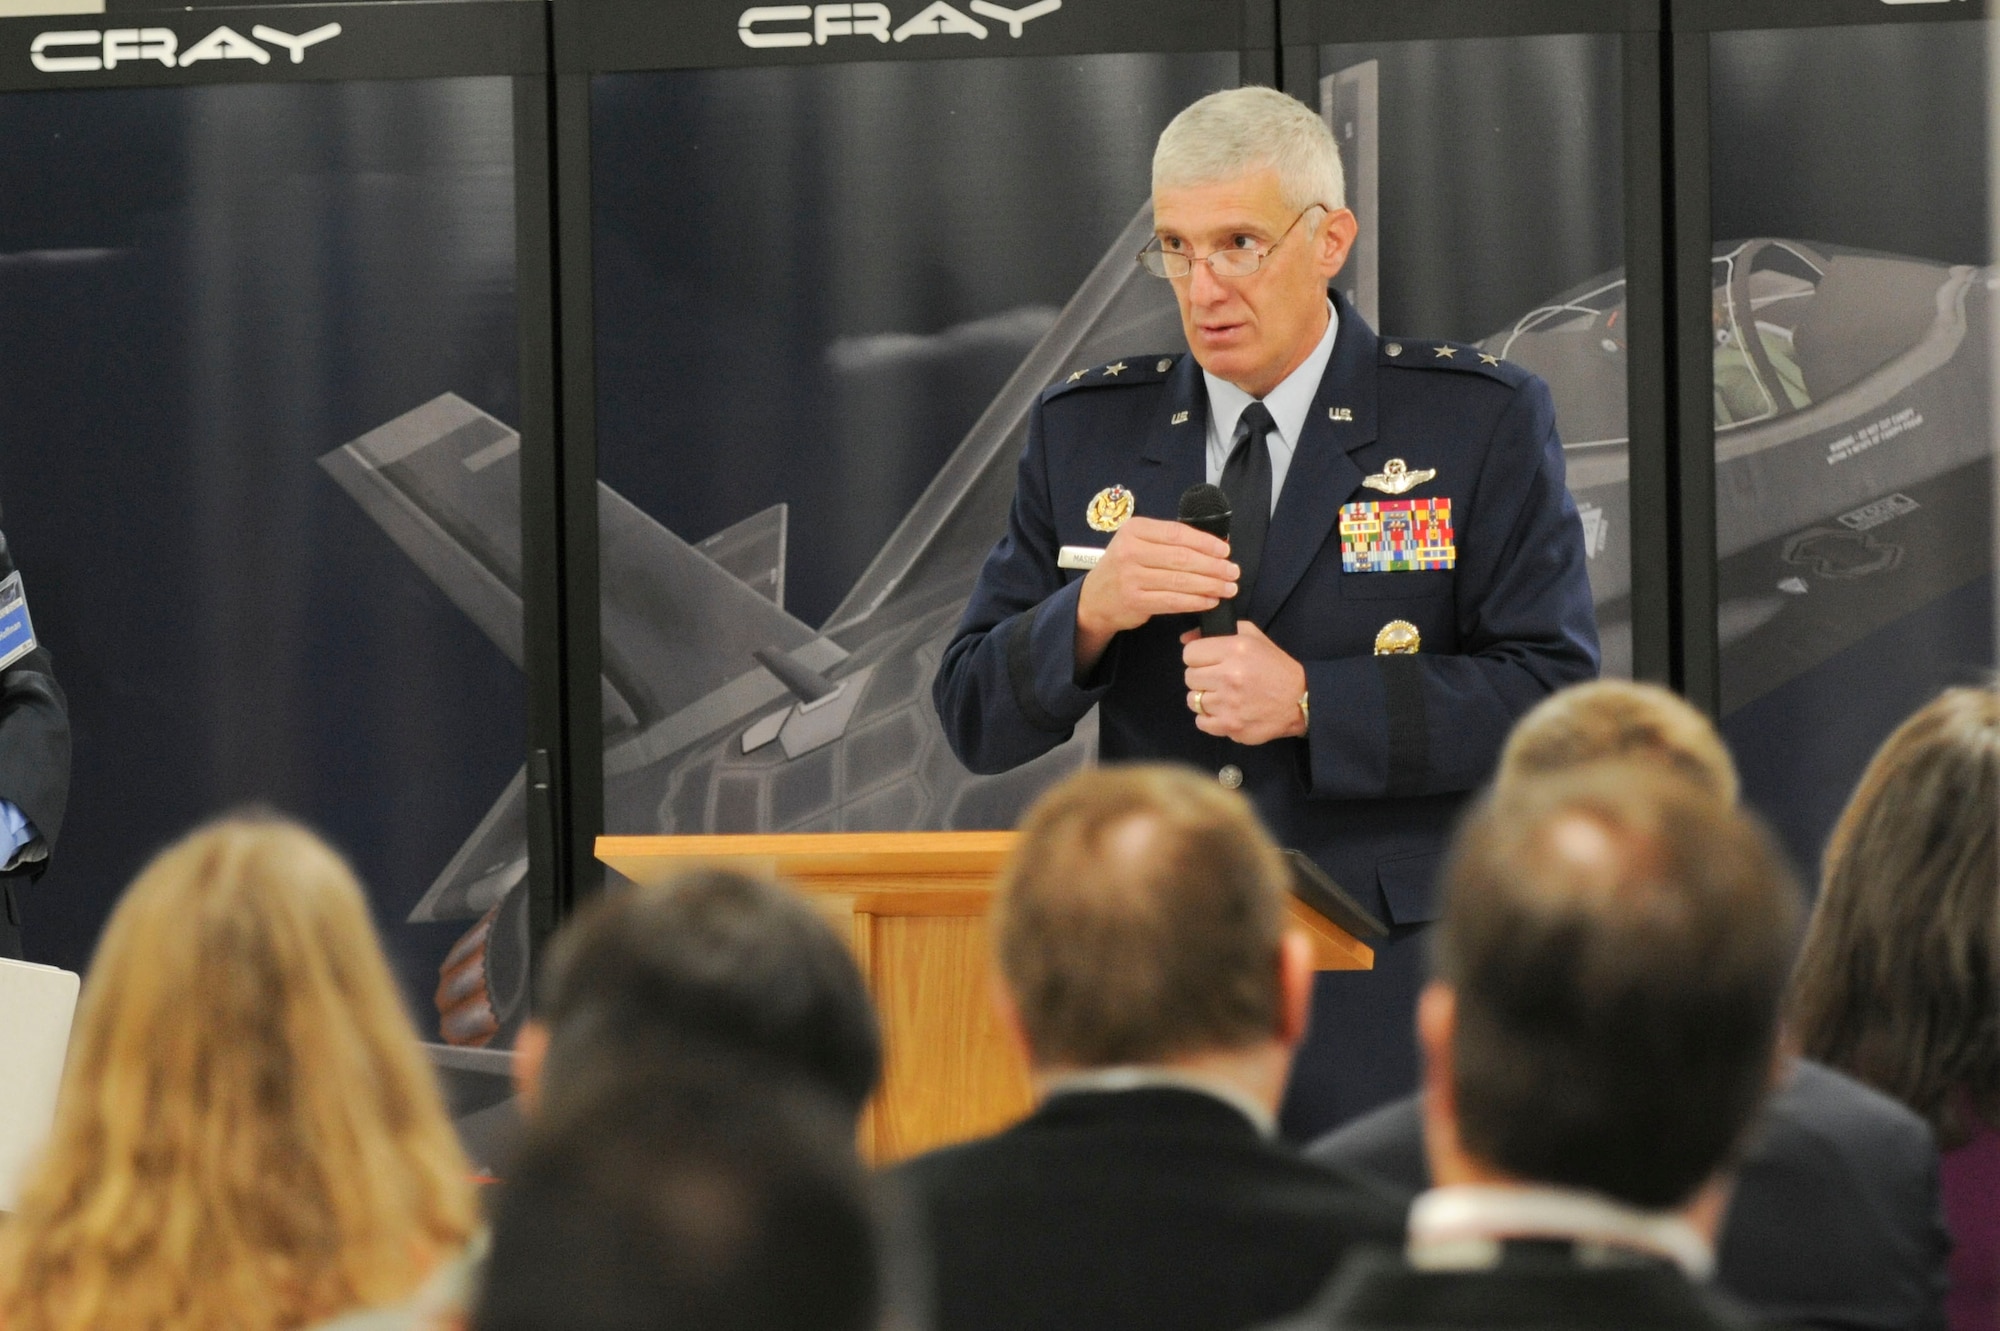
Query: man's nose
column 1204, row 286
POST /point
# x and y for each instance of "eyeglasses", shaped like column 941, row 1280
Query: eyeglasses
column 1172, row 264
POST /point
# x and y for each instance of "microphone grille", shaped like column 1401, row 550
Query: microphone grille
column 1203, row 503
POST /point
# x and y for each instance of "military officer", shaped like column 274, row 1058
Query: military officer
column 1405, row 565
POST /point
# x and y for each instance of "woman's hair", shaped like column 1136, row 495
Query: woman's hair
column 248, row 1136
column 1897, row 983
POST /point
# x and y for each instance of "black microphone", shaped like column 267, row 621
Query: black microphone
column 1206, row 508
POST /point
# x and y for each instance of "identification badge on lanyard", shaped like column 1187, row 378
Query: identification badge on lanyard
column 17, row 631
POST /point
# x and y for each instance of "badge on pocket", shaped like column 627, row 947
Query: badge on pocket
column 1396, row 536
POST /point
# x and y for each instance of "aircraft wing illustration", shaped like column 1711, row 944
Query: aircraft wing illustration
column 1119, row 310
column 680, row 621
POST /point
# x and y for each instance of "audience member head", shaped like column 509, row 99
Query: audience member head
column 1609, row 970
column 1897, row 984
column 247, row 1136
column 1141, row 920
column 711, row 957
column 1608, row 720
column 704, row 1194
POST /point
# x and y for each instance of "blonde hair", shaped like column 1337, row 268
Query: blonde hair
column 1140, row 918
column 248, row 1136
column 1232, row 133
column 1610, row 719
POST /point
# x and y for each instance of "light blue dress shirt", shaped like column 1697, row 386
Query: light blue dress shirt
column 1288, row 404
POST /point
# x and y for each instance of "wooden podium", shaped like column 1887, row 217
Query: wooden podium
column 913, row 906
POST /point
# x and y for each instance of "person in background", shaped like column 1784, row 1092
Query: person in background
column 712, row 958
column 1140, row 933
column 713, row 972
column 34, row 757
column 1834, row 1219
column 710, row 1194
column 1899, row 981
column 247, row 1137
column 1600, row 1031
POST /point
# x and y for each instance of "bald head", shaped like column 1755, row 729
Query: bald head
column 1616, row 942
column 1140, row 920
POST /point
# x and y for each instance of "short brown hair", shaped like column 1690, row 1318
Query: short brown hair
column 1610, row 719
column 1618, row 942
column 721, row 959
column 1141, row 918
column 1901, row 970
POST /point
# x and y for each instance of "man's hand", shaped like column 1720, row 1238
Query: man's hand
column 1249, row 687
column 1152, row 567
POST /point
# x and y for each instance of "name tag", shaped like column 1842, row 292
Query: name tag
column 17, row 631
column 1396, row 536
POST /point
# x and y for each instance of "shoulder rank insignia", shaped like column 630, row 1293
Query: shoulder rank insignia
column 1396, row 477
column 1109, row 508
column 1396, row 536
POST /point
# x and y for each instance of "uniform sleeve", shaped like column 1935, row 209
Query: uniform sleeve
column 1434, row 723
column 1006, row 691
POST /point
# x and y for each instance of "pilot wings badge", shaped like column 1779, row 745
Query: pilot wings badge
column 1109, row 508
column 1396, row 477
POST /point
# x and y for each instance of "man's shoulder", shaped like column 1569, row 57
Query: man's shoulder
column 1125, row 372
column 1378, row 1288
column 1114, row 1162
column 1461, row 360
column 1823, row 1103
column 1386, row 1143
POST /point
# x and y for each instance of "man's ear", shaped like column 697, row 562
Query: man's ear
column 531, row 1050
column 1336, row 241
column 1437, row 1027
column 1008, row 1011
column 1295, row 987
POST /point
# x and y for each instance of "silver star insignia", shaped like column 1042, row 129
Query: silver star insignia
column 1444, row 353
column 1488, row 359
column 1074, row 377
column 1115, row 369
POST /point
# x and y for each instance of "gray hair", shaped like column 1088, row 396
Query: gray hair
column 1232, row 133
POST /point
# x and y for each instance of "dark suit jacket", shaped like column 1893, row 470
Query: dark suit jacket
column 1538, row 1285
column 1154, row 1210
column 1835, row 1222
column 1397, row 743
column 34, row 761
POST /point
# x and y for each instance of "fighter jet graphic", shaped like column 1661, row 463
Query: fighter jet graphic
column 1853, row 444
column 723, row 713
column 1853, row 453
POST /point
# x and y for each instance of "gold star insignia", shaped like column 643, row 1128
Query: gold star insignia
column 1487, row 359
column 1444, row 353
column 1074, row 377
column 1115, row 369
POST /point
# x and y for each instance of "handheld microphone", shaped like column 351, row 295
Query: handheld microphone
column 1206, row 508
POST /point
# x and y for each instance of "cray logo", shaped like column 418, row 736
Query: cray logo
column 812, row 25
column 87, row 50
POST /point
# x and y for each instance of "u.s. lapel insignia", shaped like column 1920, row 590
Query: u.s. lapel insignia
column 1109, row 508
column 1340, row 413
column 1396, row 477
column 1180, row 418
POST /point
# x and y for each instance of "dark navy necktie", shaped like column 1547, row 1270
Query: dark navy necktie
column 1246, row 479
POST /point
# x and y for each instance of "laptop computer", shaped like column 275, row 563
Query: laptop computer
column 37, row 1004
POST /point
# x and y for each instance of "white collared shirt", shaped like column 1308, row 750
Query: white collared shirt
column 1462, row 1228
column 1138, row 1077
column 1289, row 403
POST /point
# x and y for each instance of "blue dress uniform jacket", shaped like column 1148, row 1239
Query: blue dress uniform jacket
column 1396, row 743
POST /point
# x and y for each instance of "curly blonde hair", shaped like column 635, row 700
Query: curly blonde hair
column 248, row 1136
